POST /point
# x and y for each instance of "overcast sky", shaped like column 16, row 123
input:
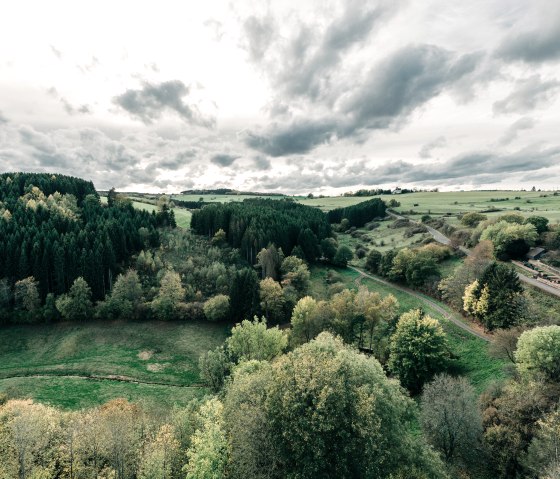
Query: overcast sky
column 293, row 96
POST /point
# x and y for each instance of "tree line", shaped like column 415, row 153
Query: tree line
column 358, row 215
column 252, row 224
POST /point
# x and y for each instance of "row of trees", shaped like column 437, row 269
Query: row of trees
column 254, row 223
column 358, row 215
column 417, row 267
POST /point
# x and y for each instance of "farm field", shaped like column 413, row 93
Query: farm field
column 452, row 203
column 50, row 362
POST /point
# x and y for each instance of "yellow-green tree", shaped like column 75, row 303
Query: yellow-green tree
column 418, row 350
column 207, row 456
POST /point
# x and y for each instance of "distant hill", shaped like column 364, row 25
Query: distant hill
column 228, row 191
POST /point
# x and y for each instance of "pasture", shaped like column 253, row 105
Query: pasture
column 157, row 361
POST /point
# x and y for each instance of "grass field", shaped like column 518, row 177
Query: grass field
column 151, row 352
column 452, row 203
column 473, row 359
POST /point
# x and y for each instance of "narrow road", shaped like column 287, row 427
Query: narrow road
column 122, row 379
column 429, row 302
column 441, row 238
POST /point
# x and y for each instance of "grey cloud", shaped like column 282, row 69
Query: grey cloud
column 469, row 166
column 299, row 136
column 223, row 159
column 178, row 161
column 511, row 133
column 534, row 46
column 426, row 150
column 149, row 103
column 528, row 94
column 261, row 163
column 3, row 119
column 302, row 65
column 399, row 84
column 391, row 91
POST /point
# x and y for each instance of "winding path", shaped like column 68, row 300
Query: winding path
column 427, row 301
column 117, row 378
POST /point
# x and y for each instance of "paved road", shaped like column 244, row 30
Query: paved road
column 433, row 304
column 441, row 238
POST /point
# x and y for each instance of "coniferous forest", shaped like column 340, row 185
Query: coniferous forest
column 54, row 229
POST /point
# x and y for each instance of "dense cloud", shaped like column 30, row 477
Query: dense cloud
column 223, row 159
column 389, row 93
column 536, row 45
column 150, row 102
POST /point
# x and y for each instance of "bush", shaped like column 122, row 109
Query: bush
column 217, row 308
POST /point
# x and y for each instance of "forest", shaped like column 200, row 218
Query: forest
column 310, row 344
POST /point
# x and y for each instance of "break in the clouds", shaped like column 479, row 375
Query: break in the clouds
column 293, row 96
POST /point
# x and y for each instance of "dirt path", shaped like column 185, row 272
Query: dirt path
column 111, row 377
column 429, row 302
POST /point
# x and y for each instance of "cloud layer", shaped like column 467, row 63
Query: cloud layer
column 293, row 97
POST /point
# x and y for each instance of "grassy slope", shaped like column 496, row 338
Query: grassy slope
column 103, row 349
column 473, row 359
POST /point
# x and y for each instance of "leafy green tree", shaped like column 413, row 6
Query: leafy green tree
column 126, row 298
column 323, row 410
column 167, row 303
column 76, row 305
column 304, row 325
column 295, row 273
column 450, row 418
column 544, row 452
column 162, row 456
column 272, row 299
column 373, row 261
column 538, row 353
column 511, row 240
column 472, row 219
column 220, row 238
column 539, row 222
column 418, row 350
column 253, row 340
column 217, row 308
column 26, row 297
column 208, row 454
column 343, row 256
column 215, row 365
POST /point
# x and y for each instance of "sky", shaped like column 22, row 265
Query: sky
column 288, row 96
